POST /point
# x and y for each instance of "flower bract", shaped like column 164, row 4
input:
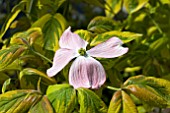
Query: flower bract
column 85, row 71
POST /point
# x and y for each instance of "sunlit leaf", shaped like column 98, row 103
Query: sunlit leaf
column 45, row 78
column 29, row 37
column 128, row 104
column 153, row 91
column 43, row 106
column 102, row 24
column 5, row 85
column 134, row 5
column 150, row 97
column 9, row 55
column 29, row 78
column 8, row 23
column 31, row 60
column 62, row 98
column 125, row 36
column 157, row 45
column 19, row 6
column 52, row 30
column 112, row 7
column 86, row 35
column 41, row 21
column 122, row 102
column 115, row 103
column 21, row 101
column 90, row 102
column 165, row 1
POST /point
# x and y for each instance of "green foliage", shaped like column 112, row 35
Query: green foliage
column 86, row 35
column 102, row 24
column 5, row 85
column 154, row 91
column 8, row 55
column 124, row 36
column 8, row 23
column 29, row 37
column 62, row 98
column 65, row 99
column 134, row 5
column 122, row 102
column 24, row 101
column 90, row 102
column 53, row 29
column 113, row 7
column 28, row 74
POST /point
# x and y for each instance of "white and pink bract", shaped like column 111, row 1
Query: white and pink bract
column 85, row 71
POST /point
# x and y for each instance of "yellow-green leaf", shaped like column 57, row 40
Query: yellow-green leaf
column 157, row 45
column 52, row 30
column 102, row 24
column 5, row 85
column 9, row 55
column 84, row 34
column 115, row 103
column 125, row 36
column 134, row 5
column 112, row 7
column 22, row 101
column 165, row 1
column 90, row 102
column 62, row 98
column 8, row 23
column 153, row 91
column 128, row 104
column 60, row 18
column 41, row 21
column 31, row 36
column 122, row 102
column 150, row 97
column 29, row 78
column 43, row 106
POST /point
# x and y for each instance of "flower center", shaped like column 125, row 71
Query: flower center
column 82, row 52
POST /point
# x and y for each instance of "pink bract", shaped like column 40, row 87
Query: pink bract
column 85, row 71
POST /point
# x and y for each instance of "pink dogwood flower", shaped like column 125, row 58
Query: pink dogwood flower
column 85, row 71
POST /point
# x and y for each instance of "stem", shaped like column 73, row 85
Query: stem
column 113, row 88
column 160, row 110
column 38, row 85
column 29, row 9
column 42, row 56
column 65, row 12
column 30, row 6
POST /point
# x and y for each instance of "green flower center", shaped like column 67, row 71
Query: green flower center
column 82, row 52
